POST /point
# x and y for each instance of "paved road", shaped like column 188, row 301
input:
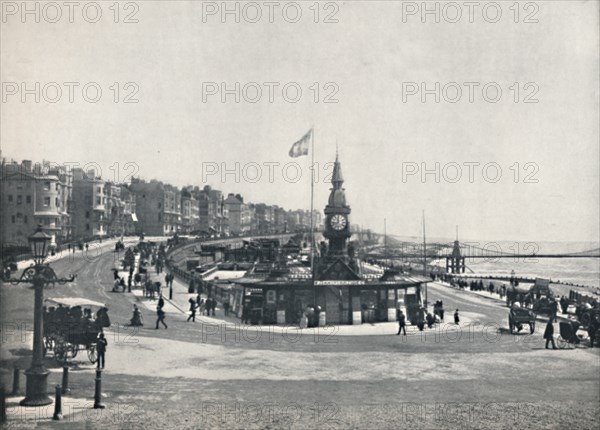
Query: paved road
column 190, row 375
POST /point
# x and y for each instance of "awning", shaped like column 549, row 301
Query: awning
column 75, row 301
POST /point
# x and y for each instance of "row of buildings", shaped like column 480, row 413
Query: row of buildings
column 76, row 205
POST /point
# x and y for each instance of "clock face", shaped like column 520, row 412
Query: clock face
column 338, row 222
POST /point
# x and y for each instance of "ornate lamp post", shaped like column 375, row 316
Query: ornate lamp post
column 39, row 275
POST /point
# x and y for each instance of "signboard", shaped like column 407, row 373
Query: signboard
column 400, row 284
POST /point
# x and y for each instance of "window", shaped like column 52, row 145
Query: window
column 28, row 199
column 57, row 186
column 87, row 226
column 19, row 199
column 99, row 189
column 46, row 186
column 159, row 217
column 159, row 205
column 87, row 214
column 25, row 219
column 98, row 200
column 13, row 219
column 46, row 201
column 10, row 198
column 57, row 202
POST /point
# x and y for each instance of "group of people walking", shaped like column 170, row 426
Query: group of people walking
column 425, row 318
column 207, row 307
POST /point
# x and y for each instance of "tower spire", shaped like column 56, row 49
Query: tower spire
column 337, row 179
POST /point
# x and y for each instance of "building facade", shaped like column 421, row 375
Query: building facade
column 158, row 207
column 34, row 195
column 120, row 210
column 89, row 207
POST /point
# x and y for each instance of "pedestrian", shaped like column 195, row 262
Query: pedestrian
column 401, row 323
column 161, row 302
column 213, row 306
column 456, row 318
column 245, row 314
column 553, row 308
column 101, row 344
column 430, row 320
column 122, row 283
column 441, row 308
column 226, row 307
column 421, row 319
column 549, row 334
column 208, row 305
column 87, row 246
column 136, row 319
column 592, row 329
column 161, row 317
column 193, row 307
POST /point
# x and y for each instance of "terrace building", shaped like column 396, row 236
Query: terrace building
column 89, row 207
column 34, row 195
column 158, row 207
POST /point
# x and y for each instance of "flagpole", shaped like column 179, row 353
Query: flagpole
column 312, row 235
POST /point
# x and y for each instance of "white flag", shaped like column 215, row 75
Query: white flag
column 300, row 147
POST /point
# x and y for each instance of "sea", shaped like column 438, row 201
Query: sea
column 579, row 271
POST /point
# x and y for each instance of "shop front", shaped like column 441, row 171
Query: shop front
column 343, row 302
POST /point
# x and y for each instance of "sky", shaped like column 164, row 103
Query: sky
column 521, row 165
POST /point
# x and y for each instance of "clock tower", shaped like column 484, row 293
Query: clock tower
column 337, row 224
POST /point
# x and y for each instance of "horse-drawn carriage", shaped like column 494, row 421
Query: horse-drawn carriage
column 518, row 316
column 567, row 337
column 70, row 327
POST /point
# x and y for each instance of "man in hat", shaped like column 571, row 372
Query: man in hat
column 193, row 307
column 401, row 323
column 161, row 317
column 101, row 344
column 549, row 334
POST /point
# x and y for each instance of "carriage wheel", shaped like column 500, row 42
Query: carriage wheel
column 60, row 352
column 72, row 350
column 562, row 343
column 92, row 354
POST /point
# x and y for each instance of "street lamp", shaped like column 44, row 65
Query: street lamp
column 39, row 275
column 38, row 243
